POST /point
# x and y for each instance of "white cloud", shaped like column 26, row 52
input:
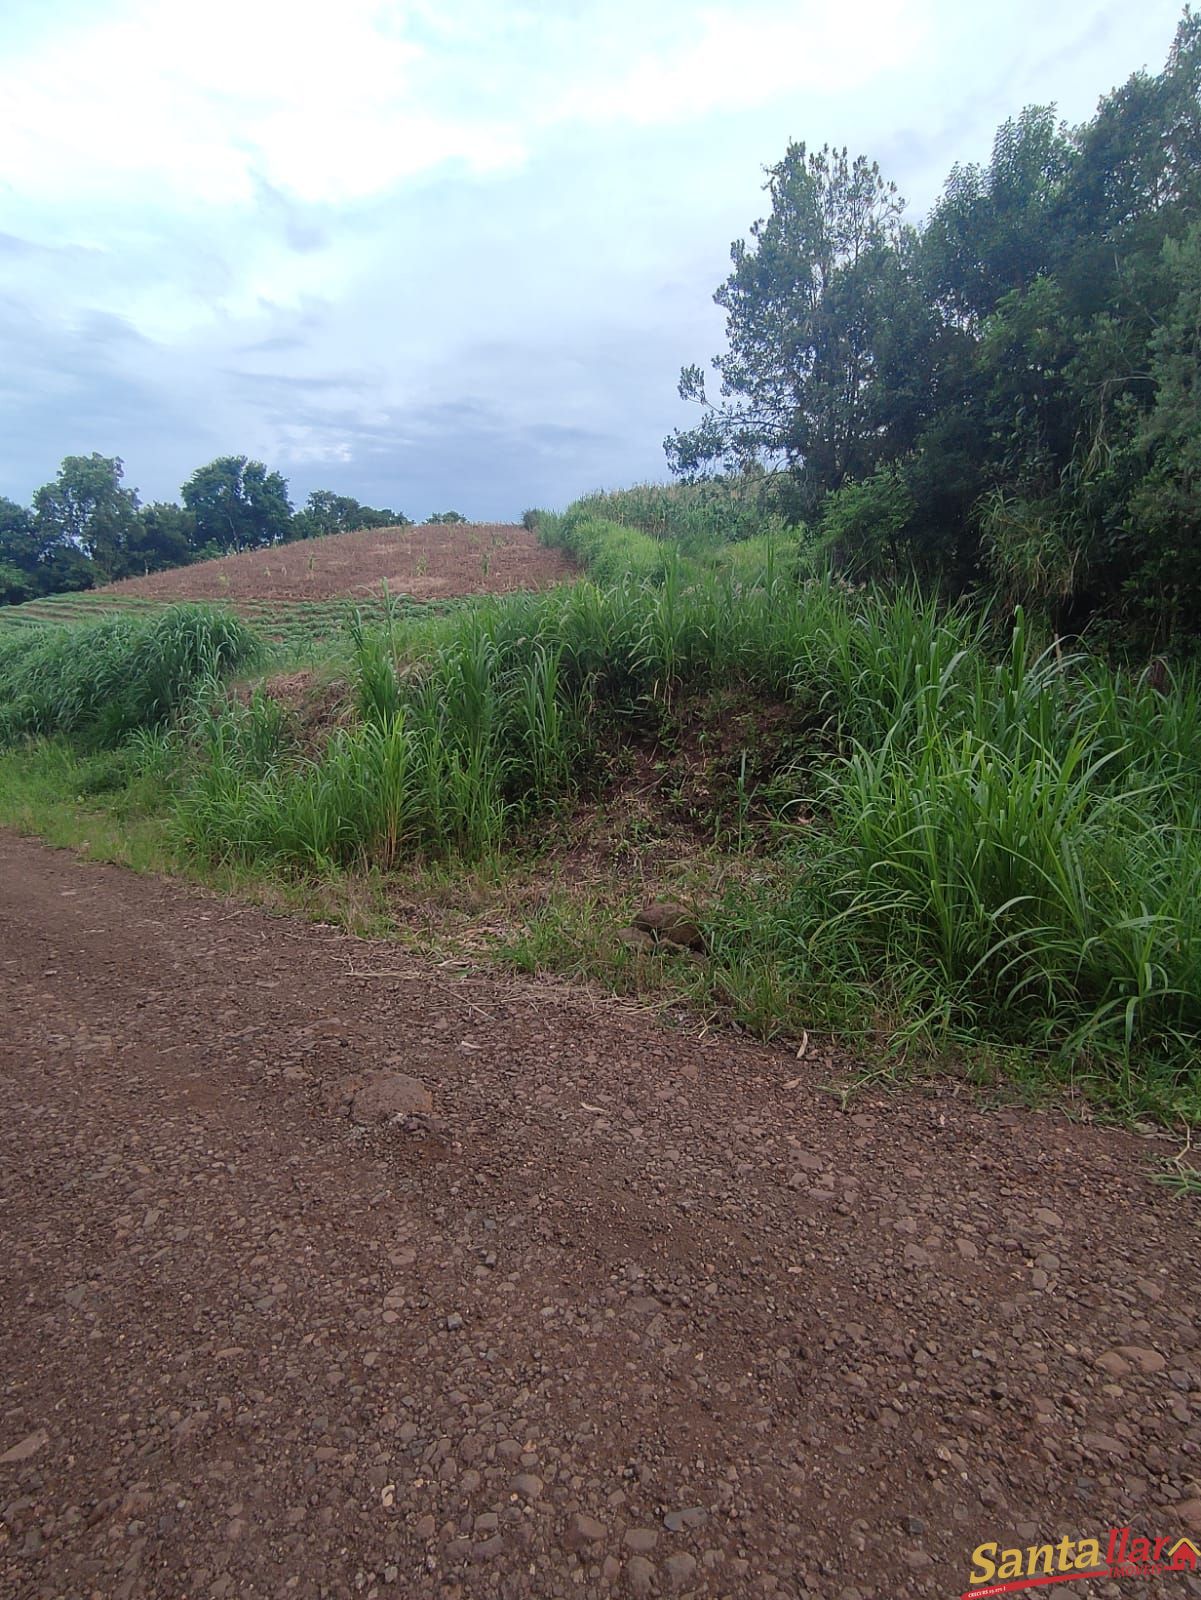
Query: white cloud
column 306, row 446
column 189, row 104
column 734, row 59
column 335, row 225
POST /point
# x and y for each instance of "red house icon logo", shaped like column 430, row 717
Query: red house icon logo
column 1184, row 1556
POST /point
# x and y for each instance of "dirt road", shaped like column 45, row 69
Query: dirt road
column 627, row 1313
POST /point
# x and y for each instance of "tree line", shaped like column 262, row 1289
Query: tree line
column 1006, row 397
column 87, row 528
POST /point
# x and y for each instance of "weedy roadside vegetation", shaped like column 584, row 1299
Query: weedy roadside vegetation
column 967, row 841
column 104, row 680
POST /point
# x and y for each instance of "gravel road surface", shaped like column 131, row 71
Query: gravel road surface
column 327, row 1273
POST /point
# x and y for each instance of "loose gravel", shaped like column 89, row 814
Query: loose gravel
column 582, row 1305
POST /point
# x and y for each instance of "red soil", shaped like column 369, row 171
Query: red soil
column 426, row 562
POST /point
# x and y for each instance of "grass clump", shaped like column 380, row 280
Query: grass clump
column 995, row 855
column 447, row 754
column 102, row 681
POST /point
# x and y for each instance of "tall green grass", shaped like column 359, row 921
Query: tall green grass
column 103, row 680
column 1003, row 848
column 605, row 535
column 974, row 839
column 698, row 517
column 610, row 552
column 987, row 842
column 451, row 749
column 492, row 716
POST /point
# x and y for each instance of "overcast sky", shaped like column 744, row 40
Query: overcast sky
column 448, row 253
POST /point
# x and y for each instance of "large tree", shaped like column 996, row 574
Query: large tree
column 822, row 317
column 18, row 541
column 87, row 509
column 18, row 554
column 995, row 228
column 165, row 536
column 238, row 504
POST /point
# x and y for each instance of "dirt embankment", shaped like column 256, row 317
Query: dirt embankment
column 615, row 1311
column 427, row 562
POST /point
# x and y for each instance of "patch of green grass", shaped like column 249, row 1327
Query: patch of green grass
column 611, row 552
column 103, row 804
column 990, row 853
column 970, row 846
column 105, row 680
column 699, row 518
column 294, row 629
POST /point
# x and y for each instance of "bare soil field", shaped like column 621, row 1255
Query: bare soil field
column 328, row 1272
column 426, row 562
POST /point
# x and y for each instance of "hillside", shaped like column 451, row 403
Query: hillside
column 303, row 591
column 425, row 562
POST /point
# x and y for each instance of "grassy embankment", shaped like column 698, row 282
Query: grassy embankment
column 900, row 825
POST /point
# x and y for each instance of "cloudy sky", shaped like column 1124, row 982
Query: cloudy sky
column 445, row 253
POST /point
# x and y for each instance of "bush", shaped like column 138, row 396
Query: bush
column 864, row 525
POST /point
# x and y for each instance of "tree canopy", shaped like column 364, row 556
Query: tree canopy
column 238, row 504
column 326, row 512
column 88, row 509
column 1005, row 394
column 86, row 527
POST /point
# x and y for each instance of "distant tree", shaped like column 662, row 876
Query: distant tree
column 447, row 516
column 381, row 517
column 67, row 568
column 87, row 509
column 238, row 504
column 36, row 559
column 15, row 584
column 19, row 548
column 164, row 536
column 326, row 513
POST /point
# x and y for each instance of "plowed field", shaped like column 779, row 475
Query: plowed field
column 427, row 562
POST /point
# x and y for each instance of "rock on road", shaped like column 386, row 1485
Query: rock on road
column 617, row 1311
